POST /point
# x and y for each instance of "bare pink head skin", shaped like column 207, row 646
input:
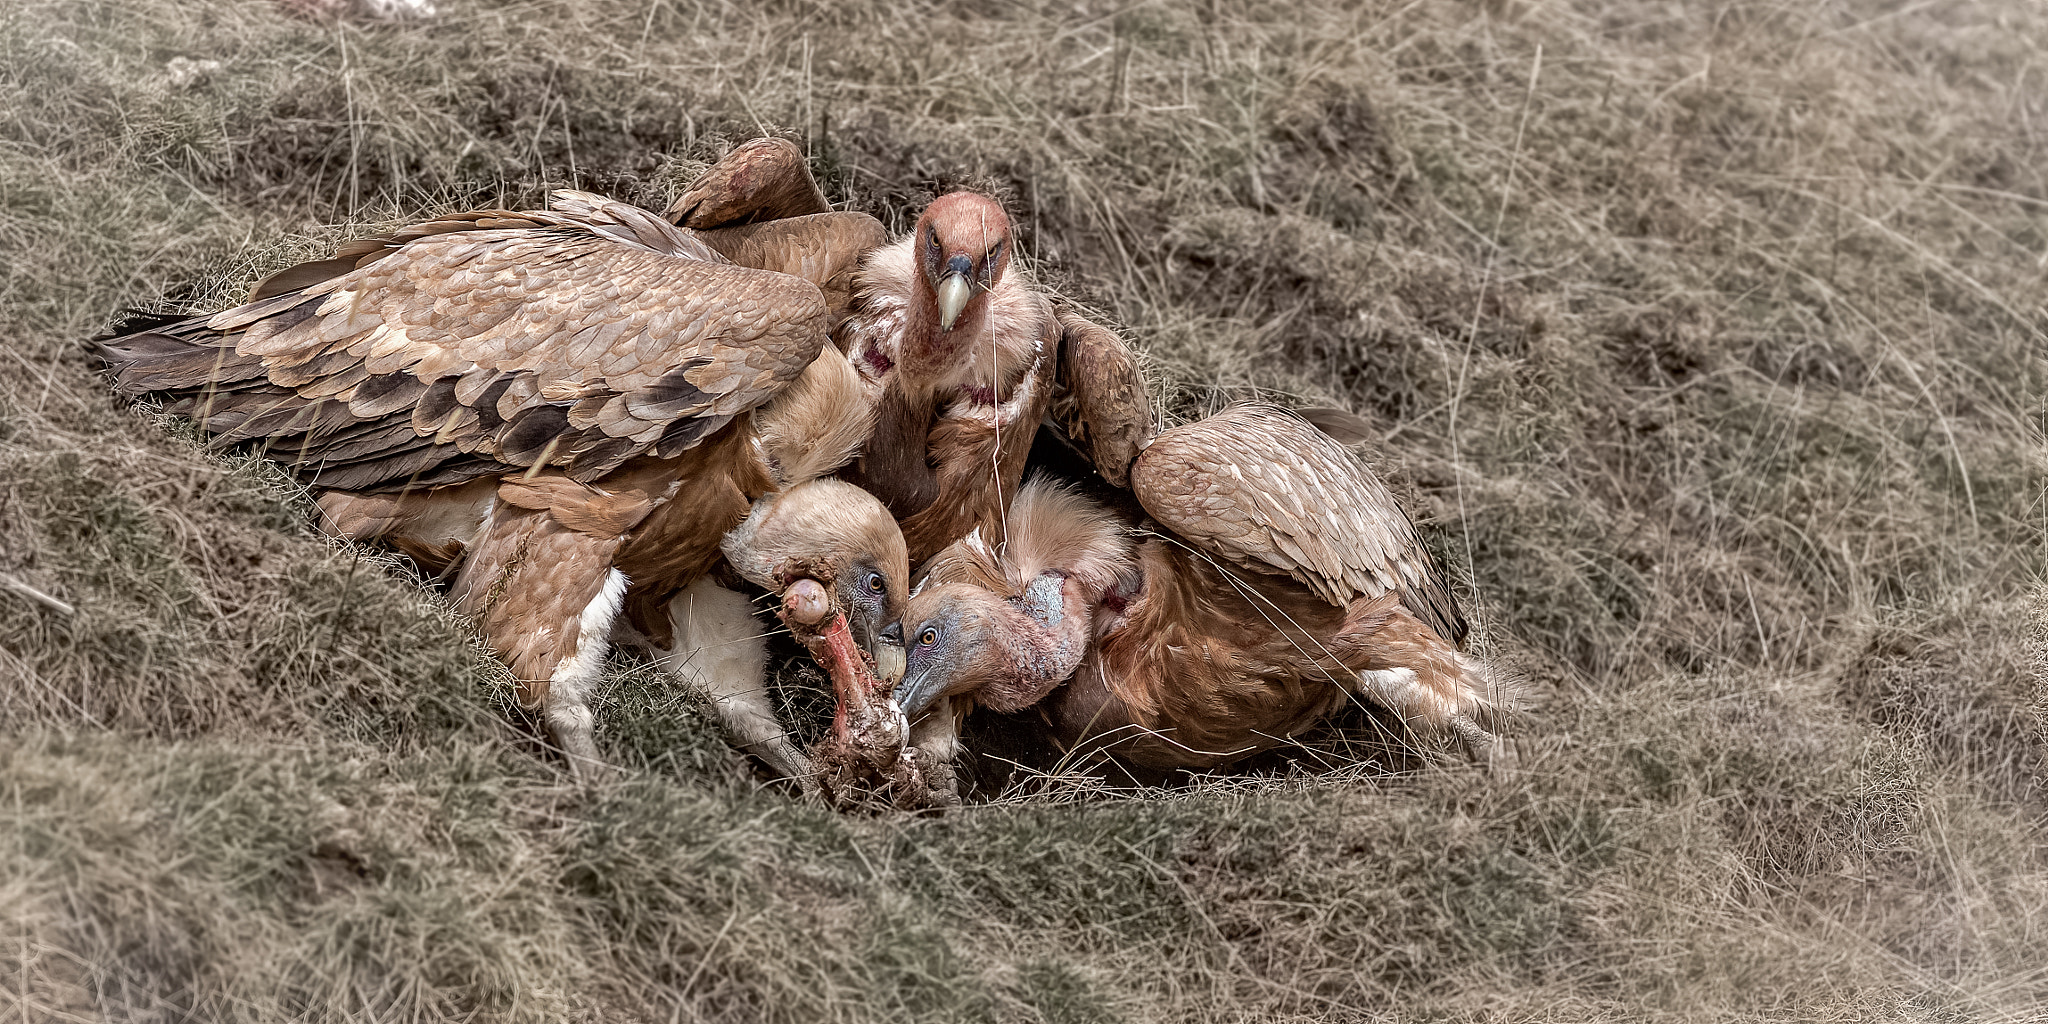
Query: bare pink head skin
column 962, row 247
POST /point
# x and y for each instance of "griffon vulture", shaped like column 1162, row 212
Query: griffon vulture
column 1282, row 581
column 960, row 355
column 573, row 410
column 962, row 360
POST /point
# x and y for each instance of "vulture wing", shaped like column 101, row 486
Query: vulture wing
column 572, row 209
column 475, row 343
column 1260, row 487
column 760, row 180
column 1101, row 401
column 825, row 249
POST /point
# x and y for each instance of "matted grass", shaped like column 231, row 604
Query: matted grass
column 1709, row 339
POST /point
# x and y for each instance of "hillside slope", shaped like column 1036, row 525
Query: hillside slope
column 1708, row 339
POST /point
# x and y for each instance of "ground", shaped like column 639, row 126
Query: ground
column 1707, row 340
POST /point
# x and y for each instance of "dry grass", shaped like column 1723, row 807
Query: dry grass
column 1710, row 337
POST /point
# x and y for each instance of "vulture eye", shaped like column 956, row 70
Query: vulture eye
column 876, row 584
column 928, row 638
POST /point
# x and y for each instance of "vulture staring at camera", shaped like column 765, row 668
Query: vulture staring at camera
column 963, row 361
column 960, row 356
column 1283, row 581
column 578, row 412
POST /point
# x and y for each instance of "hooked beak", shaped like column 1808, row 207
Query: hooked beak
column 888, row 652
column 954, row 291
column 919, row 692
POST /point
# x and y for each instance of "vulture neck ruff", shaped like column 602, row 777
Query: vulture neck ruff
column 896, row 337
column 1044, row 590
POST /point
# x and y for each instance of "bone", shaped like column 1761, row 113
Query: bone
column 805, row 602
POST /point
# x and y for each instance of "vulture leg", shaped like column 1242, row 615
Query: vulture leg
column 765, row 179
column 544, row 597
column 1410, row 669
column 720, row 645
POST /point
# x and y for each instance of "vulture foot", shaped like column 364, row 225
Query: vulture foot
column 1487, row 749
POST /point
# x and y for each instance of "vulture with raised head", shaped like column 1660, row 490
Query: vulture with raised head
column 962, row 360
column 572, row 410
column 1281, row 581
column 961, row 357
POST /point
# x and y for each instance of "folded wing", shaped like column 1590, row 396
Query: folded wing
column 476, row 343
column 1101, row 402
column 1259, row 487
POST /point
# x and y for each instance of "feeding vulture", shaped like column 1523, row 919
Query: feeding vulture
column 961, row 357
column 573, row 410
column 1283, row 580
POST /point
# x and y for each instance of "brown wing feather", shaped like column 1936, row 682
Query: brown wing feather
column 482, row 334
column 1101, row 402
column 1257, row 486
column 585, row 210
column 628, row 223
column 760, row 180
column 823, row 248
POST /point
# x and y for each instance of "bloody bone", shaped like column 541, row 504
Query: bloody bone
column 865, row 754
column 868, row 730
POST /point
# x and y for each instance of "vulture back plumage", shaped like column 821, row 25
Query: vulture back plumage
column 478, row 343
column 567, row 409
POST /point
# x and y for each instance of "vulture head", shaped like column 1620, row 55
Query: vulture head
column 963, row 247
column 1006, row 652
column 842, row 541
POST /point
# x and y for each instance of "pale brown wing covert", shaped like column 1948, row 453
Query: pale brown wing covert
column 760, row 180
column 1101, row 403
column 825, row 249
column 477, row 343
column 1258, row 486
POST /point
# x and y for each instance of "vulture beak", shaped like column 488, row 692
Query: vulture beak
column 889, row 656
column 916, row 694
column 954, row 290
